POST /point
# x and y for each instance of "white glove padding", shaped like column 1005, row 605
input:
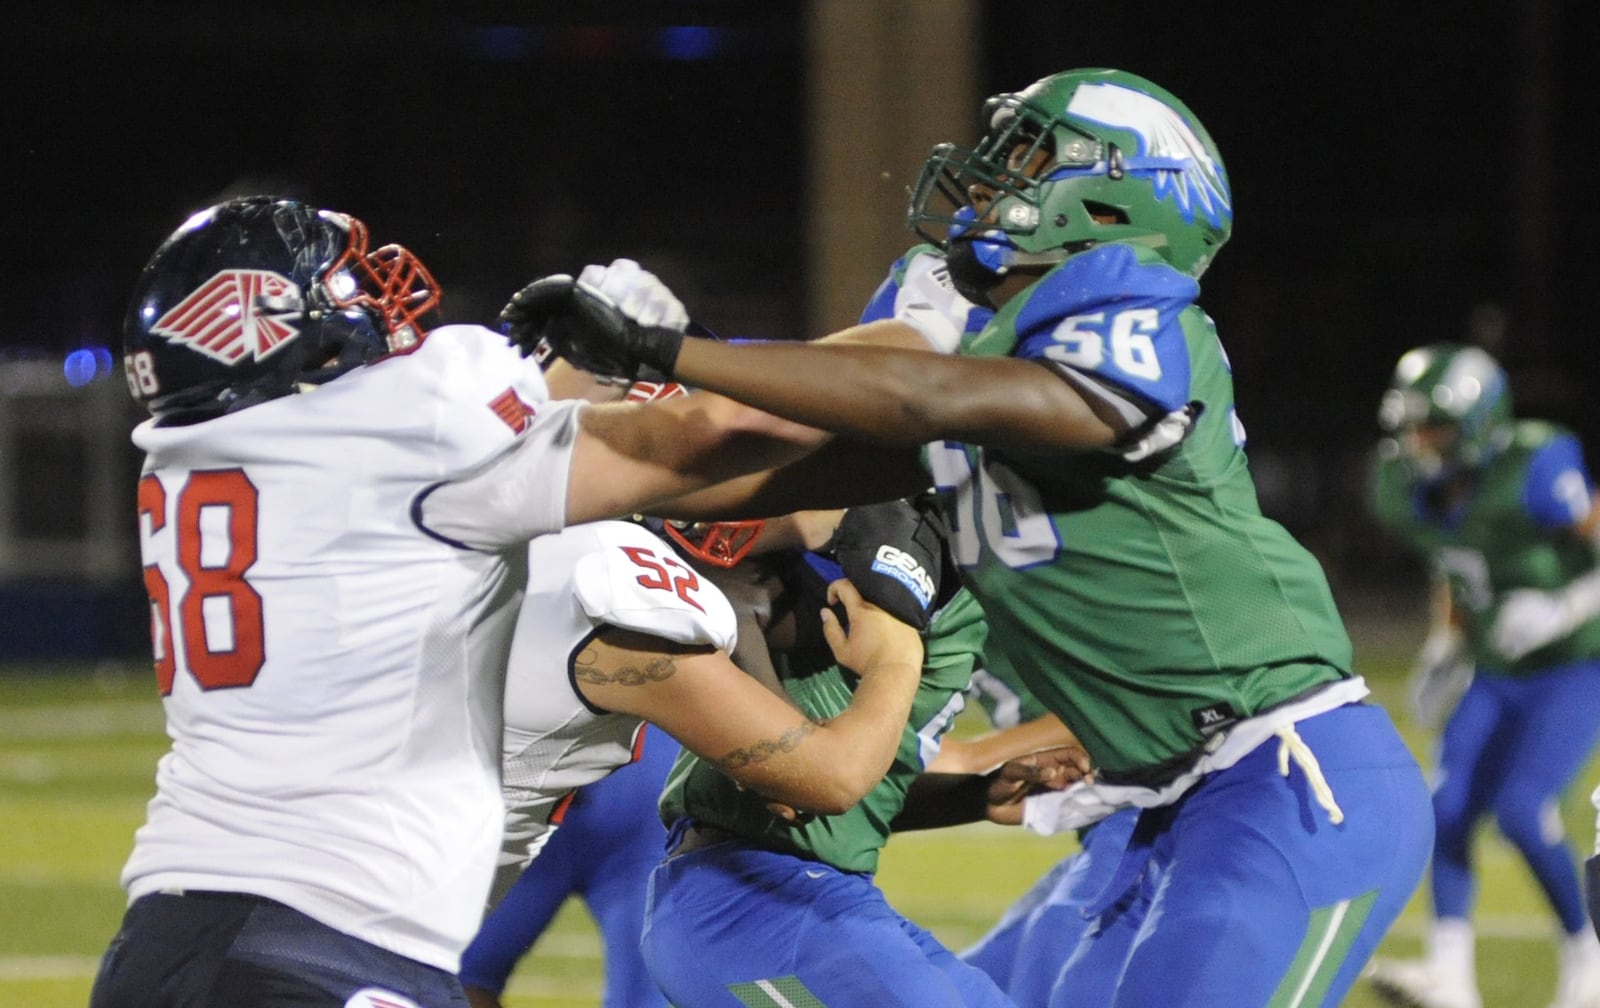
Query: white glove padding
column 1530, row 619
column 637, row 293
column 1156, row 437
column 1439, row 676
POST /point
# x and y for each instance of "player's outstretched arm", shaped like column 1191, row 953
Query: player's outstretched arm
column 760, row 740
column 582, row 462
column 879, row 381
column 842, row 473
column 630, row 458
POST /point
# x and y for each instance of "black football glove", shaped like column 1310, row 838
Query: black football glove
column 558, row 315
column 894, row 554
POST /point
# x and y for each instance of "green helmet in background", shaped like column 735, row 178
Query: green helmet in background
column 1077, row 159
column 1448, row 387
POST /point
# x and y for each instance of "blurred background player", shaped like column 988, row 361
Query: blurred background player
column 1502, row 511
column 332, row 663
column 1106, row 519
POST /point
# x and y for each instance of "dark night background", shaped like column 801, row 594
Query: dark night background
column 1402, row 173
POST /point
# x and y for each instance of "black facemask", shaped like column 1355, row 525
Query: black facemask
column 972, row 279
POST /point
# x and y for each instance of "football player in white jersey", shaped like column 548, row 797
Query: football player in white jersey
column 617, row 629
column 331, row 616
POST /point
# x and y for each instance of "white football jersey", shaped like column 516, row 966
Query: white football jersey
column 333, row 674
column 610, row 573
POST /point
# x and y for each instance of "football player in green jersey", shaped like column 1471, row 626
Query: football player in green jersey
column 1502, row 510
column 1093, row 468
column 754, row 901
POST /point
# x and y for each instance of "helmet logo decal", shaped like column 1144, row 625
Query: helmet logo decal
column 1195, row 181
column 237, row 315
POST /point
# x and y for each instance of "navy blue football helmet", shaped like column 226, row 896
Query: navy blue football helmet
column 260, row 297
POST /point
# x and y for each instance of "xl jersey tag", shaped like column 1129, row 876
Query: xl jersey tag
column 1212, row 719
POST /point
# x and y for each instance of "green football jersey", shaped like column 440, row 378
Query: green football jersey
column 849, row 841
column 1492, row 543
column 1148, row 604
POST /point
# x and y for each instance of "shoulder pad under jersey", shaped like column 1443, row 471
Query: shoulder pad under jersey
column 633, row 580
column 1113, row 313
column 919, row 293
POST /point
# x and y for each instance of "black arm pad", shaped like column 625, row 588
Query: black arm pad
column 894, row 554
column 943, row 799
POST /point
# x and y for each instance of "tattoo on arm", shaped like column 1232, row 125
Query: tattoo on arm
column 655, row 669
column 764, row 750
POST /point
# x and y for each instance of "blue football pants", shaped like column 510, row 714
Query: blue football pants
column 1510, row 749
column 735, row 926
column 1025, row 951
column 603, row 853
column 1244, row 894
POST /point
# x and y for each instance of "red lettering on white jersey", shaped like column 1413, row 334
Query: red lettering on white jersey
column 509, row 407
column 650, row 391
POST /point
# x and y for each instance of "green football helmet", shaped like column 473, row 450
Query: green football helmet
column 1079, row 158
column 1448, row 387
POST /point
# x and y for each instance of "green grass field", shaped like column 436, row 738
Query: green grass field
column 78, row 749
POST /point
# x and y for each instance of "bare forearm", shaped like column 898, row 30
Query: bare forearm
column 631, row 458
column 866, row 391
column 762, row 741
column 899, row 396
column 843, row 473
column 827, row 767
column 985, row 752
column 857, row 747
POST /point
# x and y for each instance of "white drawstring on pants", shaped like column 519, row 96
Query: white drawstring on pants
column 1290, row 744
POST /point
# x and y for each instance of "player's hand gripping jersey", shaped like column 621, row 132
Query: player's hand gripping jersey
column 605, row 574
column 321, row 654
column 1105, row 578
